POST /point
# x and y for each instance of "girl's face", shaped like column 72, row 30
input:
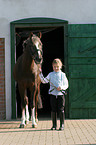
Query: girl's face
column 56, row 67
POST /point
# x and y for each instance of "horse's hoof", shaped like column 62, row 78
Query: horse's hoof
column 30, row 118
column 34, row 126
column 22, row 126
column 26, row 122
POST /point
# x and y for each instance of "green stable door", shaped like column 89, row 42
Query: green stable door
column 82, row 70
column 80, row 62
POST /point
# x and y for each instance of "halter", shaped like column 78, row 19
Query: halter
column 34, row 57
column 39, row 61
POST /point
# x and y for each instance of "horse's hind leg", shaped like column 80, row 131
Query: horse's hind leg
column 34, row 124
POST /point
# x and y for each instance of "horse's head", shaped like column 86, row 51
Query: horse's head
column 34, row 45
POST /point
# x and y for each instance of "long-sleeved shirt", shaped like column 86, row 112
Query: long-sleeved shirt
column 56, row 79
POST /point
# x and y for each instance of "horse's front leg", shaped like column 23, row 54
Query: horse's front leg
column 25, row 118
column 27, row 114
column 24, row 102
column 33, row 95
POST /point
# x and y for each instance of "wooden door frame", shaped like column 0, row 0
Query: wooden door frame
column 35, row 22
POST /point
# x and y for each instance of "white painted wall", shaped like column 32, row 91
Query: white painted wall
column 74, row 11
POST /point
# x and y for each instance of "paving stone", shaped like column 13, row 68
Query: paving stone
column 75, row 132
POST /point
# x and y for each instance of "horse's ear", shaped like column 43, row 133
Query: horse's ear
column 40, row 35
column 31, row 34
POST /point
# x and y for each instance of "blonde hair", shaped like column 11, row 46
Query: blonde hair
column 57, row 61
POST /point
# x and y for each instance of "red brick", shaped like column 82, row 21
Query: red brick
column 2, row 79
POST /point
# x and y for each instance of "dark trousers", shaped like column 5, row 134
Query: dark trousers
column 57, row 104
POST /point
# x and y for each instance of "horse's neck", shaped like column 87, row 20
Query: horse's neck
column 27, row 61
column 29, row 66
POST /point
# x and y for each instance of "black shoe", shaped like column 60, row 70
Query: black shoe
column 53, row 128
column 62, row 127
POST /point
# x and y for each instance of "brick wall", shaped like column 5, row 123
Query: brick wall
column 2, row 80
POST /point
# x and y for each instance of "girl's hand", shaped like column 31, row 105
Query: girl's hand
column 59, row 88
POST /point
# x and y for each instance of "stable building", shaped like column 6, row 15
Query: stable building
column 70, row 37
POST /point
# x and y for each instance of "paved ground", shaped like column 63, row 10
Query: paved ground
column 76, row 132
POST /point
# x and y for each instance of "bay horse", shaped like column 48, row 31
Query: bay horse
column 26, row 74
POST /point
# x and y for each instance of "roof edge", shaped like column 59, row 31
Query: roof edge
column 40, row 20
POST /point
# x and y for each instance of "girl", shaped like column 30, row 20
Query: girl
column 58, row 82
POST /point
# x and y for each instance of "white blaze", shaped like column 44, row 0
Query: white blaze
column 37, row 46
